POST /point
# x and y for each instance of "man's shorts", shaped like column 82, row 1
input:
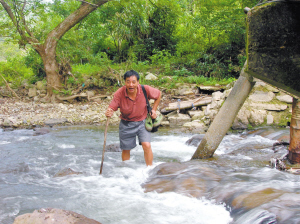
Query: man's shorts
column 128, row 130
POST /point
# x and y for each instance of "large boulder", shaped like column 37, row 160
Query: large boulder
column 53, row 215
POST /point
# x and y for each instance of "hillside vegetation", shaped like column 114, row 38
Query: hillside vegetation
column 192, row 41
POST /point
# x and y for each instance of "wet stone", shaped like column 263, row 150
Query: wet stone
column 255, row 199
column 115, row 147
column 48, row 215
column 66, row 172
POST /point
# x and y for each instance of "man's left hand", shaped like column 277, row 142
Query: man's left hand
column 153, row 114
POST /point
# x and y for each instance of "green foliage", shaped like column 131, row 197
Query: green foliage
column 197, row 42
column 86, row 69
column 15, row 72
column 34, row 61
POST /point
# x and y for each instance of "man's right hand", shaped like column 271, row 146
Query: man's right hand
column 109, row 112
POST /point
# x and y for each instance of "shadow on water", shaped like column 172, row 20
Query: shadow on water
column 235, row 186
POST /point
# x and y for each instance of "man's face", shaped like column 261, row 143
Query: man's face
column 131, row 84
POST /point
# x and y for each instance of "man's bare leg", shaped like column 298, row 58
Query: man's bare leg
column 147, row 153
column 125, row 155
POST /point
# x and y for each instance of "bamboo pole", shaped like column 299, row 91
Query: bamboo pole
column 104, row 144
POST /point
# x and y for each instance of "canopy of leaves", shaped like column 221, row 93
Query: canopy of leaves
column 186, row 37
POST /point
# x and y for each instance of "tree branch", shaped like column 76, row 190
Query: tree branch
column 10, row 88
column 83, row 10
column 15, row 21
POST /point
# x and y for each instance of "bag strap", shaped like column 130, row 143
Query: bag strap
column 149, row 109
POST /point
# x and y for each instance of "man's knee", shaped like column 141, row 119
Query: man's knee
column 146, row 146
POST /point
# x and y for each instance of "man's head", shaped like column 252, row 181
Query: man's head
column 131, row 73
column 131, row 81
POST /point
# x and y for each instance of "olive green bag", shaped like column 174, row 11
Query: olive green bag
column 151, row 125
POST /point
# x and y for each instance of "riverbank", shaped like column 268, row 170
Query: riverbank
column 28, row 114
column 189, row 106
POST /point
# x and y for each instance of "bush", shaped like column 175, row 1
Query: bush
column 34, row 61
column 15, row 72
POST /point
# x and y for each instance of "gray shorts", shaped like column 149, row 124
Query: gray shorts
column 128, row 130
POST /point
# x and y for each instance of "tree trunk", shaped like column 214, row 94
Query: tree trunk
column 52, row 74
column 47, row 51
column 48, row 55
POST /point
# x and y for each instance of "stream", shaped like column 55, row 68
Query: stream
column 236, row 186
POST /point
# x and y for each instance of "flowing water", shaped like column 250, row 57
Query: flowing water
column 29, row 163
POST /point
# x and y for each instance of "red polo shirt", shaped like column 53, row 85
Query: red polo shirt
column 133, row 110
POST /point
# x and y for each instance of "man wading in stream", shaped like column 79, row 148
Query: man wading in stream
column 132, row 103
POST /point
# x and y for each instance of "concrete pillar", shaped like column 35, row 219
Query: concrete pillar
column 225, row 117
column 294, row 148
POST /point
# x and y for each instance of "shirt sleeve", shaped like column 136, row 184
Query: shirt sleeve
column 115, row 103
column 152, row 93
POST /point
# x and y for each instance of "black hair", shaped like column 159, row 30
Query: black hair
column 131, row 73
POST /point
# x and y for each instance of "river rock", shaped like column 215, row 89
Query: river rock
column 285, row 98
column 260, row 96
column 165, row 123
column 32, row 92
column 55, row 121
column 66, row 172
column 243, row 116
column 90, row 93
column 255, row 199
column 216, row 104
column 196, row 114
column 178, row 119
column 150, row 76
column 115, row 147
column 40, row 85
column 7, row 123
column 189, row 178
column 226, row 93
column 195, row 124
column 269, row 107
column 270, row 119
column 184, row 90
column 217, row 96
column 53, row 215
column 257, row 117
column 195, row 140
column 41, row 131
column 238, row 125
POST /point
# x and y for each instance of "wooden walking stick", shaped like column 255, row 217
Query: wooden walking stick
column 105, row 133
